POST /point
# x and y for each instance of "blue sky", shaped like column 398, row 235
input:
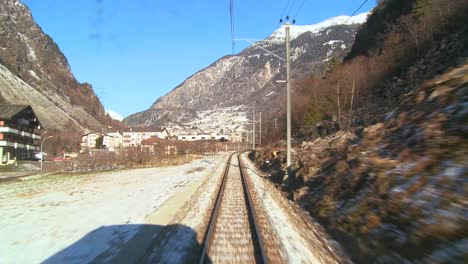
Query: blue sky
column 133, row 52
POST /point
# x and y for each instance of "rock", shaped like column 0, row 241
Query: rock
column 340, row 133
column 372, row 129
column 462, row 114
column 390, row 115
column 391, row 259
column 453, row 253
column 462, row 92
column 307, row 145
column 312, row 171
column 389, row 234
column 341, row 142
column 301, row 193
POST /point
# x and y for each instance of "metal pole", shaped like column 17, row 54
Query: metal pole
column 260, row 138
column 42, row 153
column 288, row 91
column 253, row 128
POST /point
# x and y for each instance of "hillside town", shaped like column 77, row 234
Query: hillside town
column 224, row 124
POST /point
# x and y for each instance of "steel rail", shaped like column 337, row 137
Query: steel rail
column 259, row 248
column 214, row 215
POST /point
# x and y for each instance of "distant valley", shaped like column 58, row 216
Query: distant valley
column 242, row 80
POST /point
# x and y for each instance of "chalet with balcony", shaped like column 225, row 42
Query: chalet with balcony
column 19, row 133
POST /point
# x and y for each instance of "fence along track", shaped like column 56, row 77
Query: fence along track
column 232, row 235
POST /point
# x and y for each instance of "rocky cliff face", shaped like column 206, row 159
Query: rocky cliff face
column 251, row 75
column 28, row 53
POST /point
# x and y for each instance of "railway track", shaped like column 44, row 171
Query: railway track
column 233, row 234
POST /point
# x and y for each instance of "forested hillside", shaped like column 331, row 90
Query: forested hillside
column 402, row 44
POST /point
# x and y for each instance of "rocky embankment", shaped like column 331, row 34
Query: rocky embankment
column 395, row 191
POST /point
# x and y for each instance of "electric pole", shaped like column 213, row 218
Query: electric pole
column 260, row 138
column 253, row 128
column 288, row 91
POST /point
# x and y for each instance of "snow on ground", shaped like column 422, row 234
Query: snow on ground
column 33, row 74
column 182, row 245
column 302, row 240
column 331, row 42
column 75, row 219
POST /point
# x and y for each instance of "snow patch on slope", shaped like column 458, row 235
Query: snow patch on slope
column 332, row 42
column 115, row 115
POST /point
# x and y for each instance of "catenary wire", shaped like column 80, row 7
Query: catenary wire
column 299, row 10
column 291, row 7
column 286, row 7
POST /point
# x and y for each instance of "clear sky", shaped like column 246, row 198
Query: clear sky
column 133, row 52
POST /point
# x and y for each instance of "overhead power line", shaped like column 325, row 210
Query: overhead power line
column 354, row 13
column 299, row 10
column 286, row 7
column 359, row 8
column 291, row 7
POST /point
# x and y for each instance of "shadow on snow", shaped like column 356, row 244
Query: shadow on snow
column 133, row 244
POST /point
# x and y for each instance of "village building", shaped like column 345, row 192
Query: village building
column 112, row 141
column 88, row 141
column 235, row 136
column 196, row 137
column 19, row 133
column 134, row 137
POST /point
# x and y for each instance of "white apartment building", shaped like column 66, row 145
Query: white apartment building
column 112, row 141
column 88, row 141
column 134, row 138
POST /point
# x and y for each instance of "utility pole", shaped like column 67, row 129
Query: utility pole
column 247, row 133
column 260, row 138
column 288, row 91
column 253, row 128
column 42, row 153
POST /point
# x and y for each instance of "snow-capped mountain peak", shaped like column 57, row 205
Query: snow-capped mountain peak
column 114, row 115
column 296, row 30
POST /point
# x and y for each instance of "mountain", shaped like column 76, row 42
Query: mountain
column 114, row 115
column 250, row 76
column 34, row 71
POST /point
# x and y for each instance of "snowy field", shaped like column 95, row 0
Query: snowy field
column 84, row 218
